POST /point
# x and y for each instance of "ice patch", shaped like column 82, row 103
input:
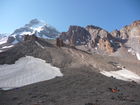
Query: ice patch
column 138, row 56
column 27, row 70
column 38, row 29
column 134, row 53
column 123, row 74
column 26, row 33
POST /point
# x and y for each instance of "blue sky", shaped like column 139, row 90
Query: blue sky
column 108, row 14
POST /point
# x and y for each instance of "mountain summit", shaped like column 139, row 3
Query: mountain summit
column 35, row 26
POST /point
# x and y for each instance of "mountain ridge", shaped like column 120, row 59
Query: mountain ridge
column 91, row 38
column 101, row 41
column 35, row 26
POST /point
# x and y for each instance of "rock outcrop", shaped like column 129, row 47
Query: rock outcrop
column 10, row 39
column 76, row 35
column 129, row 37
column 30, row 37
column 96, row 39
column 100, row 38
column 105, row 45
column 129, row 31
column 59, row 42
column 88, row 36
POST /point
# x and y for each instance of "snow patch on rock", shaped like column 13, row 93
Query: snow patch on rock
column 3, row 40
column 134, row 53
column 123, row 74
column 26, row 33
column 5, row 47
column 138, row 56
column 39, row 44
column 38, row 29
column 27, row 70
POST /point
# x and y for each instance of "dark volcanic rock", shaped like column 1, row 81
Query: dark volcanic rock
column 30, row 37
column 59, row 42
column 33, row 47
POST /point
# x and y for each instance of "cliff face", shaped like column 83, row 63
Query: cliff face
column 129, row 36
column 99, row 40
column 132, row 30
column 129, row 31
column 133, row 42
column 105, row 45
column 91, row 36
column 76, row 35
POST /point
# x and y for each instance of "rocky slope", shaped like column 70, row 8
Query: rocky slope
column 98, row 40
column 81, row 81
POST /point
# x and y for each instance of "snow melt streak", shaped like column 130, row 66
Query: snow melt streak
column 25, row 71
column 123, row 74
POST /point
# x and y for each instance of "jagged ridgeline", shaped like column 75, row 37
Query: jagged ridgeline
column 97, row 40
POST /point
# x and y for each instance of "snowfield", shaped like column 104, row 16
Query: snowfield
column 123, row 74
column 5, row 47
column 27, row 70
column 3, row 40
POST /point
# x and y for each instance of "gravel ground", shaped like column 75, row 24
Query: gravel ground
column 79, row 86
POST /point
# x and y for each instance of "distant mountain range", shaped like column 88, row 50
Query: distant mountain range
column 93, row 39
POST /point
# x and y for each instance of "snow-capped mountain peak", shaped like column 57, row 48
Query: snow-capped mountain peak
column 37, row 27
column 35, row 23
